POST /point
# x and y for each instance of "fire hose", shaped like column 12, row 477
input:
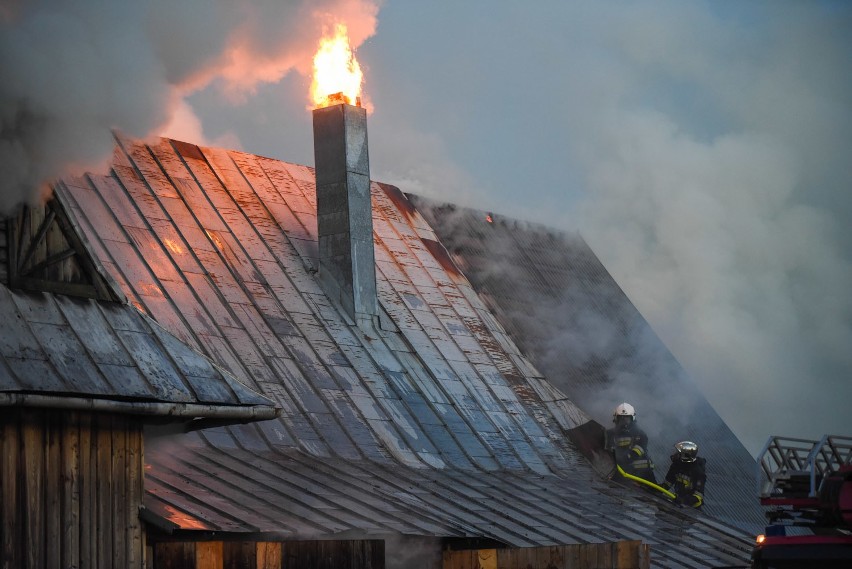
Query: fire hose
column 656, row 487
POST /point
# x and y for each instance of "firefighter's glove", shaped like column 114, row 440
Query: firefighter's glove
column 696, row 500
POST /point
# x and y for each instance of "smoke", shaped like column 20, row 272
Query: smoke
column 742, row 282
column 74, row 71
column 700, row 148
column 418, row 163
column 576, row 326
column 624, row 353
column 412, row 552
column 720, row 232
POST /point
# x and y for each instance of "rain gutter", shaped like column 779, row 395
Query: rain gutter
column 153, row 408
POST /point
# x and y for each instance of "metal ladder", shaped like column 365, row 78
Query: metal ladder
column 794, row 467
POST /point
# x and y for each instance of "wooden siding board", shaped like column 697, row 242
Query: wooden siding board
column 210, row 555
column 12, row 545
column 135, row 474
column 121, row 515
column 105, row 525
column 53, row 425
column 88, row 495
column 239, row 555
column 269, row 555
column 174, row 555
column 60, row 487
column 34, row 459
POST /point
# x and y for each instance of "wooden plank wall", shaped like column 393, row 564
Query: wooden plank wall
column 71, row 486
column 615, row 555
column 325, row 554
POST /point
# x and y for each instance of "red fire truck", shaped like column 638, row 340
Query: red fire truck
column 807, row 488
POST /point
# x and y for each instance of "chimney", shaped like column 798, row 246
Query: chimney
column 347, row 268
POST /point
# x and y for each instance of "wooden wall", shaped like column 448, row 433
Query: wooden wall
column 70, row 490
column 615, row 555
column 326, row 554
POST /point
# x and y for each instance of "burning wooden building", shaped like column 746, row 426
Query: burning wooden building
column 326, row 374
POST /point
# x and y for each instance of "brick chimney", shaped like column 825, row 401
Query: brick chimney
column 347, row 268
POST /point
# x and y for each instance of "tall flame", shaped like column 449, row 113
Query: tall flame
column 337, row 75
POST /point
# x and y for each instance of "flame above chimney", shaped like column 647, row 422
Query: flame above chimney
column 337, row 75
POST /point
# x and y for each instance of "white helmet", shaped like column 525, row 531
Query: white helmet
column 624, row 410
column 687, row 451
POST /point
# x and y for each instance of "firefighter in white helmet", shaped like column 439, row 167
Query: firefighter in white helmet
column 629, row 443
column 686, row 476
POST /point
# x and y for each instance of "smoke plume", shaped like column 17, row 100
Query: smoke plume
column 72, row 71
column 700, row 148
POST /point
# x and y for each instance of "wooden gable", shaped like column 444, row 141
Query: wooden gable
column 44, row 253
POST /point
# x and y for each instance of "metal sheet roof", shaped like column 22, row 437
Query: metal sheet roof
column 285, row 494
column 567, row 313
column 220, row 248
column 61, row 351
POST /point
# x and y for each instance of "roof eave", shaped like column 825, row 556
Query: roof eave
column 237, row 413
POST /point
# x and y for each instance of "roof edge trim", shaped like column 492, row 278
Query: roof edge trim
column 150, row 408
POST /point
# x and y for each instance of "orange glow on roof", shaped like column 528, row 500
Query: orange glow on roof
column 173, row 246
column 184, row 520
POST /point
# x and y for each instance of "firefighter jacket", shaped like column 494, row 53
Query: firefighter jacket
column 686, row 480
column 629, row 447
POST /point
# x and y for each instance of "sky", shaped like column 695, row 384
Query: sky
column 702, row 149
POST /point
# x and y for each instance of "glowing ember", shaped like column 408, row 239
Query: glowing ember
column 337, row 75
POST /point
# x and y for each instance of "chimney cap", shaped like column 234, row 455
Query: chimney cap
column 340, row 99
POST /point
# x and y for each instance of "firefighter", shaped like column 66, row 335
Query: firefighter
column 628, row 443
column 686, row 475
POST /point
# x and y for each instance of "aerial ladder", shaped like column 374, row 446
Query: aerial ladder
column 806, row 487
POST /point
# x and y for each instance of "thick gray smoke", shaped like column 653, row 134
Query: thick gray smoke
column 730, row 234
column 701, row 148
column 71, row 71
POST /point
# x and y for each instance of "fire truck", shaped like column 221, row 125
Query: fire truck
column 806, row 487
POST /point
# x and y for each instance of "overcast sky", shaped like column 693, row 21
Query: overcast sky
column 703, row 149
